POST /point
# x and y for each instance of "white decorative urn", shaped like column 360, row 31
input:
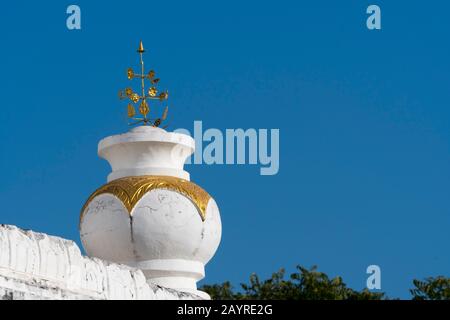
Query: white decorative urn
column 149, row 215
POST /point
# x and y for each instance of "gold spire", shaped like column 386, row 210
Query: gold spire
column 141, row 100
column 141, row 47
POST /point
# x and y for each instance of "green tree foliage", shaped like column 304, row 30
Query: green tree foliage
column 437, row 288
column 310, row 284
column 305, row 284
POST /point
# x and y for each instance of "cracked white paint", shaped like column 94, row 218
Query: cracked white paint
column 165, row 236
column 38, row 266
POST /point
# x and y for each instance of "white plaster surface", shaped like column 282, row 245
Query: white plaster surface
column 147, row 150
column 37, row 266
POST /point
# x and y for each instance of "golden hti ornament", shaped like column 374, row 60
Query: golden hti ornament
column 141, row 101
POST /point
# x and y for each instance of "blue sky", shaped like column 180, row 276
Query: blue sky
column 363, row 116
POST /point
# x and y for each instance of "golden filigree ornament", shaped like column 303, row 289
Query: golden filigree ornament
column 130, row 73
column 142, row 100
column 143, row 108
column 152, row 92
column 135, row 98
column 131, row 110
column 164, row 96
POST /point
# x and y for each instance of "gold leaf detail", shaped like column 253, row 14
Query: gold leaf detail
column 164, row 116
column 152, row 92
column 143, row 108
column 128, row 92
column 163, row 95
column 131, row 189
column 130, row 73
column 131, row 111
column 135, row 97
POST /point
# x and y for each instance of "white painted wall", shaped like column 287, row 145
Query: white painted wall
column 37, row 266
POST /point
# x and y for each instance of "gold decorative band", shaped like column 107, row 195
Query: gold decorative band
column 131, row 189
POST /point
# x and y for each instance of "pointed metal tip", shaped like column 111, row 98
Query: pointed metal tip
column 141, row 47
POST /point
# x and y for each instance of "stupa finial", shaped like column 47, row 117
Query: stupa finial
column 141, row 100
